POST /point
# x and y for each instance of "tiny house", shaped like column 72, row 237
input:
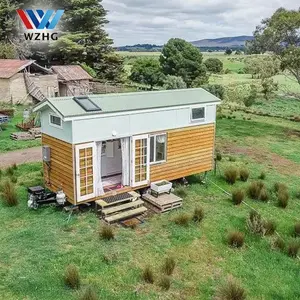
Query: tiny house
column 96, row 146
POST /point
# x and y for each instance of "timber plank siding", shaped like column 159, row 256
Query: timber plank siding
column 189, row 151
column 61, row 173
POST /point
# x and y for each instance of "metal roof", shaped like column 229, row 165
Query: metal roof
column 126, row 102
column 71, row 72
column 10, row 67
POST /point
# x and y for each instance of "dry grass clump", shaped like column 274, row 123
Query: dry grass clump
column 262, row 175
column 72, row 278
column 244, row 174
column 283, row 198
column 279, row 244
column 88, row 294
column 10, row 171
column 293, row 248
column 297, row 229
column 218, row 156
column 106, row 232
column 148, row 275
column 255, row 224
column 231, row 290
column 279, row 186
column 270, row 227
column 181, row 192
column 236, row 239
column 9, row 194
column 165, row 283
column 231, row 175
column 169, row 266
column 238, row 196
column 198, row 214
column 182, row 219
column 258, row 191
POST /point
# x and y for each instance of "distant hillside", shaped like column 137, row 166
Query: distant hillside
column 225, row 42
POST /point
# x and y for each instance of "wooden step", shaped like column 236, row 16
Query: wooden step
column 119, row 208
column 126, row 214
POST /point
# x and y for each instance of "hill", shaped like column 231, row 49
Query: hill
column 225, row 42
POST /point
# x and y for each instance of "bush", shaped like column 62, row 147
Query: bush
column 106, row 232
column 169, row 266
column 181, row 192
column 235, row 239
column 244, row 174
column 198, row 214
column 182, row 219
column 270, row 227
column 165, row 283
column 72, row 278
column 254, row 189
column 213, row 65
column 293, row 248
column 255, row 223
column 231, row 291
column 238, row 197
column 279, row 244
column 9, row 194
column 262, row 175
column 88, row 294
column 231, row 175
column 283, row 198
column 148, row 275
column 297, row 229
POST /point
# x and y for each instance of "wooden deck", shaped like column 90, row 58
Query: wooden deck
column 163, row 203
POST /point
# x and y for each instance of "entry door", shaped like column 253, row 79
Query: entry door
column 140, row 160
column 85, row 171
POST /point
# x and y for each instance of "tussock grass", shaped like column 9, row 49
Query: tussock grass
column 231, row 174
column 244, row 174
column 182, row 219
column 279, row 244
column 255, row 224
column 181, row 192
column 8, row 194
column 283, row 198
column 198, row 214
column 238, row 196
column 231, row 290
column 297, row 229
column 88, row 294
column 168, row 266
column 293, row 248
column 106, row 232
column 270, row 227
column 148, row 275
column 262, row 176
column 71, row 277
column 165, row 283
column 236, row 239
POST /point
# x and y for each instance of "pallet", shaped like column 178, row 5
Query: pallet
column 163, row 203
column 22, row 136
column 126, row 214
column 119, row 208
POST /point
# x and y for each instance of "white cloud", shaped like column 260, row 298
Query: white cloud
column 155, row 21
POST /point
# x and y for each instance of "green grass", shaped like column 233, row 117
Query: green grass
column 6, row 143
column 36, row 246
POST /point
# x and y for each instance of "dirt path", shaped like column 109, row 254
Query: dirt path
column 20, row 157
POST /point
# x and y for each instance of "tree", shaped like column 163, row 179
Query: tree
column 180, row 58
column 147, row 70
column 250, row 99
column 262, row 66
column 216, row 89
column 268, row 87
column 7, row 20
column 228, row 51
column 280, row 34
column 214, row 65
column 7, row 51
column 174, row 82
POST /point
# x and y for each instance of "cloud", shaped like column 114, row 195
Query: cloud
column 156, row 21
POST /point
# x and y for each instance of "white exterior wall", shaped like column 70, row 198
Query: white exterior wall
column 104, row 128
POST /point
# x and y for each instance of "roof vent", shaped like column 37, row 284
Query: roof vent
column 86, row 103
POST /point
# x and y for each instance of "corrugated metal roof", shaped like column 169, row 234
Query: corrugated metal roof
column 10, row 67
column 71, row 72
column 110, row 103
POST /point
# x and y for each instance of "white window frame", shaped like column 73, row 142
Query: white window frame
column 55, row 125
column 154, row 148
column 197, row 120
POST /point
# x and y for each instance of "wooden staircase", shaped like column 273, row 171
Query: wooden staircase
column 32, row 88
column 120, row 207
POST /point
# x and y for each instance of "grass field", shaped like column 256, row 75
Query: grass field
column 36, row 246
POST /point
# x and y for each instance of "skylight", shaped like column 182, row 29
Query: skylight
column 86, row 103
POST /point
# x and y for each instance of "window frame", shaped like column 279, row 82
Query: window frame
column 200, row 120
column 55, row 125
column 154, row 148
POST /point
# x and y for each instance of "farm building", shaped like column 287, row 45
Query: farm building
column 73, row 80
column 101, row 145
column 24, row 81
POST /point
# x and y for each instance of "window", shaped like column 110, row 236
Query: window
column 86, row 103
column 158, row 147
column 55, row 121
column 198, row 114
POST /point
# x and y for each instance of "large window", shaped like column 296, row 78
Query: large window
column 158, row 148
column 198, row 114
column 55, row 121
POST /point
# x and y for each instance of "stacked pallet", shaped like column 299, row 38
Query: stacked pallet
column 33, row 133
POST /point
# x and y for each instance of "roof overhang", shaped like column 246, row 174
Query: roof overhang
column 46, row 103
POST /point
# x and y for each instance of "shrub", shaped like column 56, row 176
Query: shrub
column 214, row 65
column 293, row 248
column 72, row 278
column 244, row 174
column 235, row 239
column 231, row 290
column 165, row 283
column 283, row 198
column 88, row 294
column 279, row 244
column 169, row 265
column 231, row 175
column 254, row 189
column 238, row 197
column 255, row 223
column 148, row 275
column 182, row 219
column 106, row 232
column 198, row 214
column 278, row 186
column 218, row 156
column 270, row 227
column 9, row 194
column 181, row 192
column 297, row 229
column 262, row 175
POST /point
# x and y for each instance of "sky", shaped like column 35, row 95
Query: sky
column 156, row 21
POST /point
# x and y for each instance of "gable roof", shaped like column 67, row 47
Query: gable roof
column 10, row 67
column 67, row 107
column 71, row 72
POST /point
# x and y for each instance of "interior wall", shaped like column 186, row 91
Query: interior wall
column 111, row 163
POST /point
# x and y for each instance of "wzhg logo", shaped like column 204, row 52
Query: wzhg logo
column 40, row 20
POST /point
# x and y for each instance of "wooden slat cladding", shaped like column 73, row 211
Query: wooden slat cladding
column 189, row 151
column 61, row 173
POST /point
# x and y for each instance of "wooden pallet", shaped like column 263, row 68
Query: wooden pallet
column 126, row 214
column 163, row 203
column 22, row 136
